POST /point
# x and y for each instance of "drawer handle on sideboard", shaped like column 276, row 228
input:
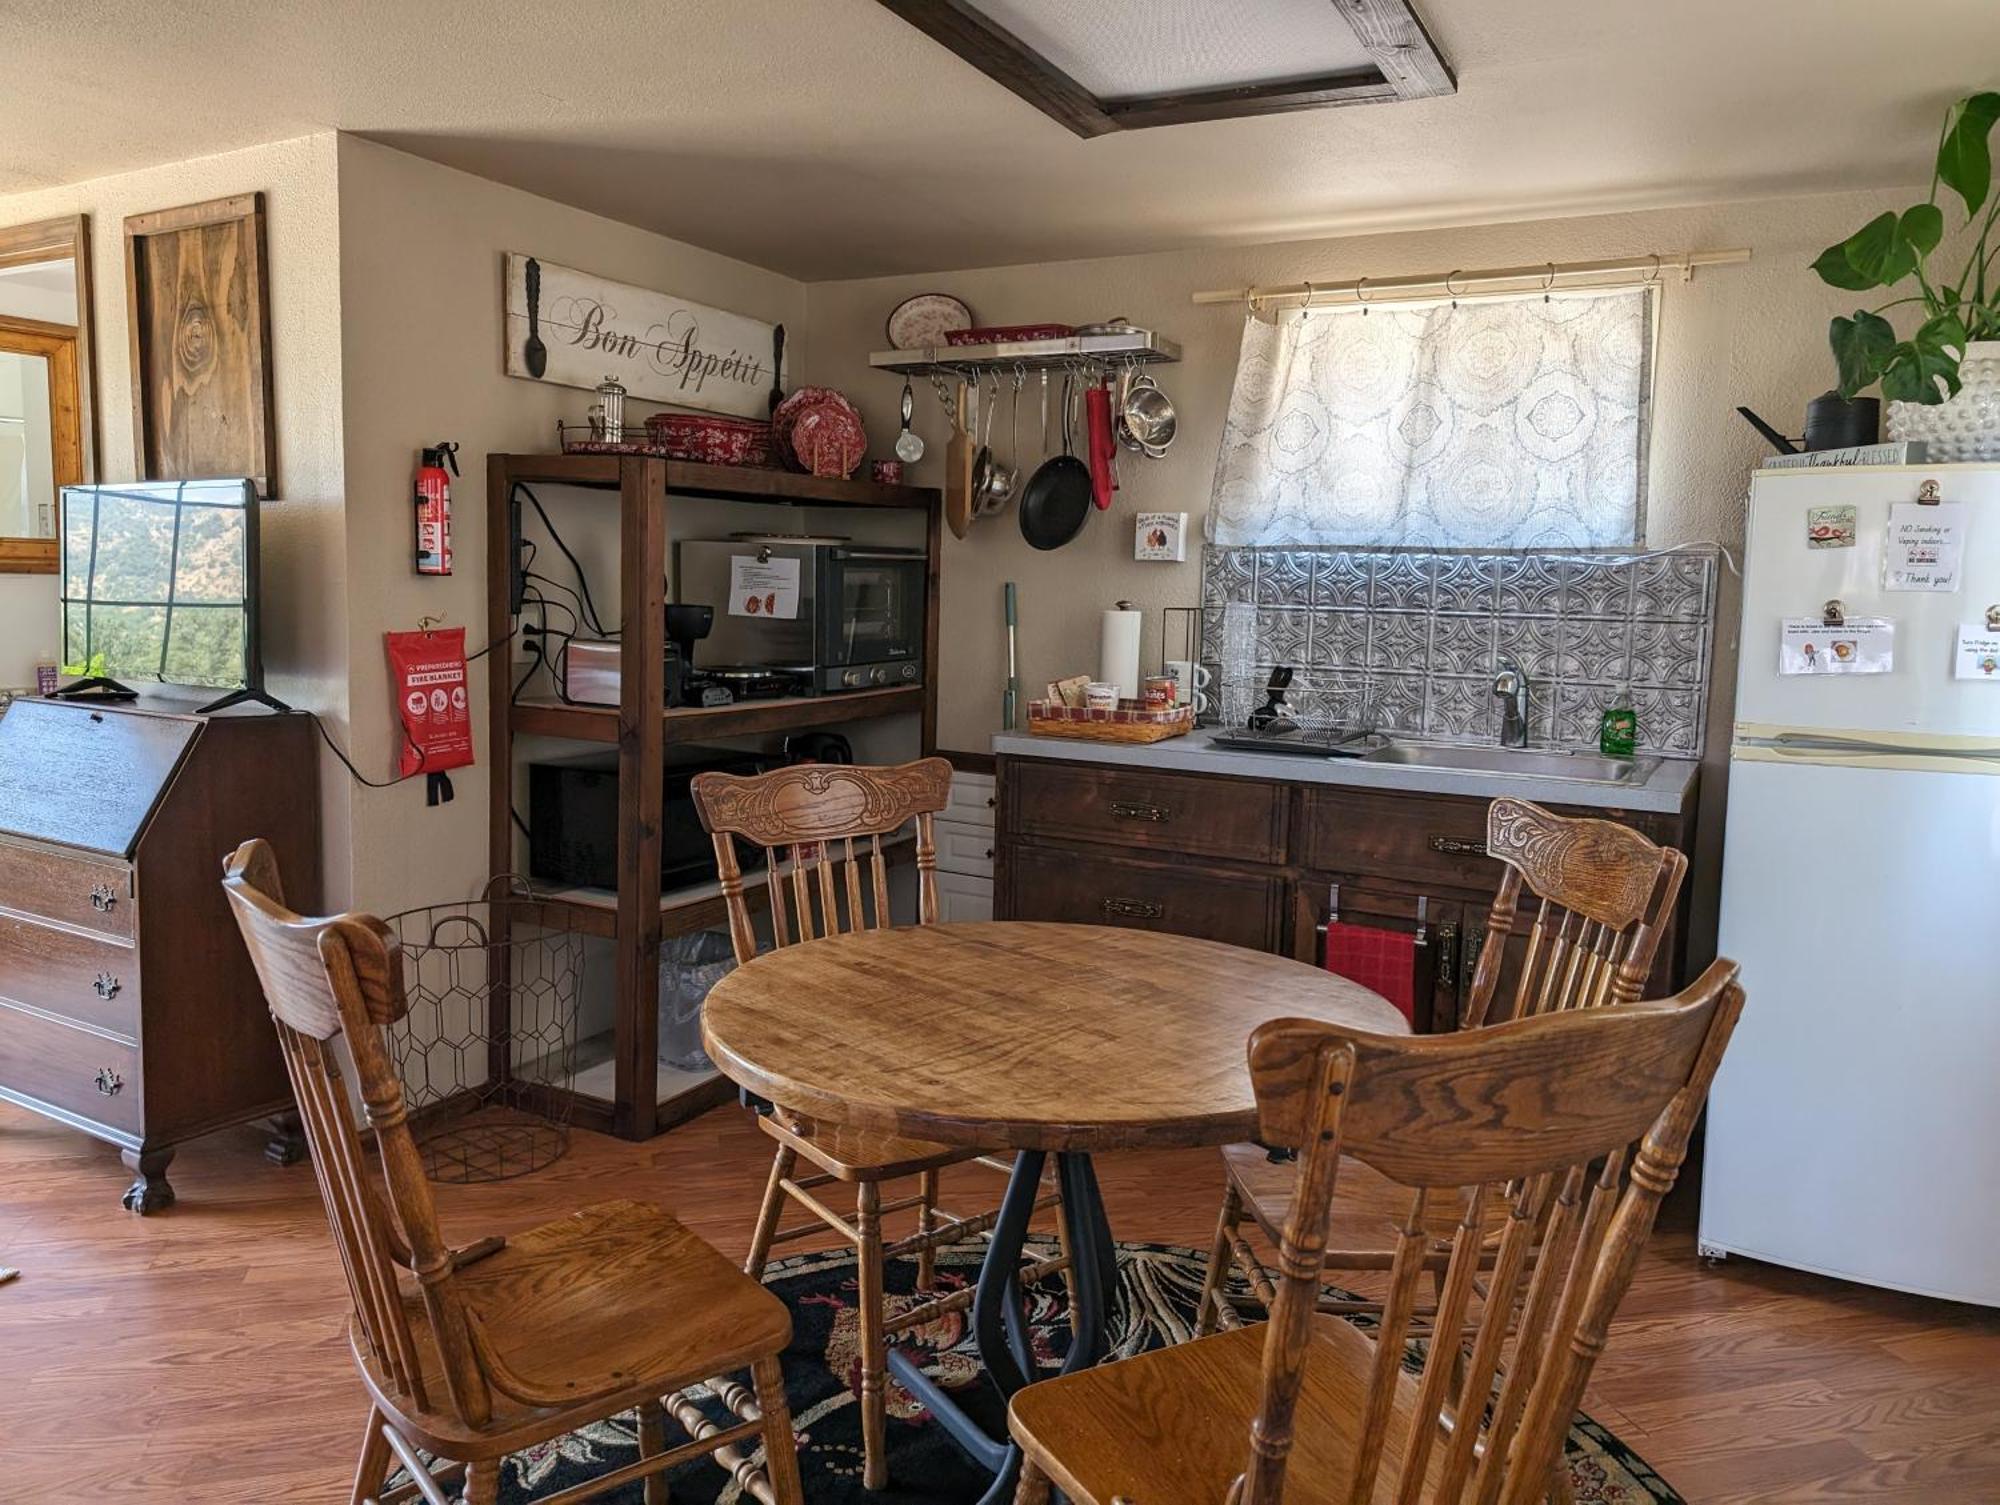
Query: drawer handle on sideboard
column 1132, row 810
column 103, row 897
column 1134, row 909
column 109, row 1082
column 1453, row 846
column 106, row 986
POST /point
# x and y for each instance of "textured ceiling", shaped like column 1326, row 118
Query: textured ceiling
column 825, row 138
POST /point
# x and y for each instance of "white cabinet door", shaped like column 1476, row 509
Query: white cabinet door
column 962, row 899
column 964, row 849
column 971, row 800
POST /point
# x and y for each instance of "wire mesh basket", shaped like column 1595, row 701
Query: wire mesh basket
column 487, row 1051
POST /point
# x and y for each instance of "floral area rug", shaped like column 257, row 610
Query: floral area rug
column 1158, row 1286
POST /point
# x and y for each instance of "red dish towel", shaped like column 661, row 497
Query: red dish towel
column 1383, row 961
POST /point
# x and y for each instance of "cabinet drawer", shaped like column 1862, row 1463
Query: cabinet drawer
column 1414, row 839
column 971, row 799
column 1091, row 888
column 964, row 849
column 90, row 979
column 61, row 886
column 69, row 1068
column 1187, row 814
column 964, row 900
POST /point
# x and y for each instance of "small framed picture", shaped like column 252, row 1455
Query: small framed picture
column 1161, row 536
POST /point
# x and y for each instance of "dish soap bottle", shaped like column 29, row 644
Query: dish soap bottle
column 1618, row 728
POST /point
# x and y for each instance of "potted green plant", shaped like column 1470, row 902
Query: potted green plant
column 1943, row 381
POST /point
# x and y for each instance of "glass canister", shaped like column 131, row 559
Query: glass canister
column 611, row 397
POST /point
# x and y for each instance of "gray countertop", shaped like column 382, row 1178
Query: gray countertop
column 1663, row 790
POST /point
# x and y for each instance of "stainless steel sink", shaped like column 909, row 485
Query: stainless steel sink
column 1517, row 762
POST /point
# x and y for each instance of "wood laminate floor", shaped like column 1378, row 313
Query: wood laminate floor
column 195, row 1357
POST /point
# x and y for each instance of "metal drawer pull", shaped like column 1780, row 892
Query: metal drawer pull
column 1452, row 846
column 106, row 985
column 1134, row 909
column 1130, row 810
column 109, row 1082
column 103, row 897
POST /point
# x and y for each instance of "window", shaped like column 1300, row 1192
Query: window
column 1511, row 423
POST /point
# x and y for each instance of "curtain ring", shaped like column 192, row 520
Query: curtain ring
column 1654, row 275
column 1305, row 308
column 1448, row 276
column 1548, row 281
column 1361, row 295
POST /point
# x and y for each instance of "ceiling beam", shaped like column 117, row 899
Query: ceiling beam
column 1407, row 65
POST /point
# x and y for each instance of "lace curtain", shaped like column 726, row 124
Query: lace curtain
column 1515, row 423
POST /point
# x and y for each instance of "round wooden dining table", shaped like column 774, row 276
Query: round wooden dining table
column 1044, row 1039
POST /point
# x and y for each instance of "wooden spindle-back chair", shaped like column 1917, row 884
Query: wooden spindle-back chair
column 822, row 829
column 1603, row 897
column 1574, row 1123
column 472, row 1354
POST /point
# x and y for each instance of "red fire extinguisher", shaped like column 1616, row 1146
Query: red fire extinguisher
column 434, row 509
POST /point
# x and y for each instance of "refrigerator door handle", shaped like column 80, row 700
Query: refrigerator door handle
column 1821, row 745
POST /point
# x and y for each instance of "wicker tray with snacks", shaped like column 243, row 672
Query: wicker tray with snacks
column 1131, row 722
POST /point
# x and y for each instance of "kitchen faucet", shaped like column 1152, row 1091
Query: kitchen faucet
column 1511, row 685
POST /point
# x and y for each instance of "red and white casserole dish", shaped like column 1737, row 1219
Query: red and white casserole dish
column 710, row 439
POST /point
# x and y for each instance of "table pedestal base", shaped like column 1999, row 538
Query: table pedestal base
column 999, row 1321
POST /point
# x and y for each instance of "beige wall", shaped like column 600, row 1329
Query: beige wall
column 1753, row 334
column 421, row 263
column 304, row 598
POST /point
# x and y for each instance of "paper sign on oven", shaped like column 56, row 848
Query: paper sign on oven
column 763, row 587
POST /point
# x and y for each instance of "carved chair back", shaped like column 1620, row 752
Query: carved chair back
column 821, row 826
column 1605, row 895
column 1576, row 1125
column 333, row 986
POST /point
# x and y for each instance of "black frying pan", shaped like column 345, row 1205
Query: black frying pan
column 1058, row 498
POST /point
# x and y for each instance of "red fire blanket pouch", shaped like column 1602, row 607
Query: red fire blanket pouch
column 427, row 677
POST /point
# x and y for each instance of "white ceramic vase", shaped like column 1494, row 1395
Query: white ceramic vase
column 1967, row 427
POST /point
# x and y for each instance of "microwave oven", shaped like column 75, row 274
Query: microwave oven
column 573, row 819
column 851, row 616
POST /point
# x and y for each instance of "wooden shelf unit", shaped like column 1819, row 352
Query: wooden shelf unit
column 639, row 915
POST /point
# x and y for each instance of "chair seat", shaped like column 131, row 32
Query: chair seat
column 616, row 1301
column 1368, row 1208
column 849, row 1154
column 1173, row 1425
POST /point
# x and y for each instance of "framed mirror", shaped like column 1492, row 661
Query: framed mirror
column 47, row 424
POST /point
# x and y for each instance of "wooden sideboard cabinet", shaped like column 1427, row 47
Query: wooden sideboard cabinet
column 128, row 1007
column 1254, row 862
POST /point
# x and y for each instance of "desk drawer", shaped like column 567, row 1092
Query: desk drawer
column 69, row 1068
column 92, row 980
column 61, row 886
column 1186, row 814
column 1089, row 888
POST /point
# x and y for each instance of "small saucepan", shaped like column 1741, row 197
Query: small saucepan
column 1058, row 498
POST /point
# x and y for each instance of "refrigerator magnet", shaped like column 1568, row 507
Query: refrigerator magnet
column 1830, row 527
column 1858, row 645
column 1926, row 545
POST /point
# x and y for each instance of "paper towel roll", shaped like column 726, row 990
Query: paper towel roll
column 1118, row 649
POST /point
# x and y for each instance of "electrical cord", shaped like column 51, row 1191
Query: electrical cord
column 590, row 616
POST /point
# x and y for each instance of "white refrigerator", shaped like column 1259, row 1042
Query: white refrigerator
column 1854, row 1128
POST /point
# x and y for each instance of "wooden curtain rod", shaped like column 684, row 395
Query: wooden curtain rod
column 1617, row 272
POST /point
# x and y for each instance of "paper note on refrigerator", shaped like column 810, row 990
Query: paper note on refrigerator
column 1860, row 645
column 1977, row 653
column 1926, row 544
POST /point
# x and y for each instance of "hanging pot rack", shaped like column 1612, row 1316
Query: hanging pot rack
column 1127, row 347
column 1485, row 282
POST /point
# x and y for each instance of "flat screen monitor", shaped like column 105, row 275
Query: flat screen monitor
column 159, row 582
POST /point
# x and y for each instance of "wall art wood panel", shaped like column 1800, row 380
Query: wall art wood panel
column 196, row 293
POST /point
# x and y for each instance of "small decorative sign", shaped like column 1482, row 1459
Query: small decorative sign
column 573, row 329
column 1977, row 653
column 1857, row 645
column 1161, row 536
column 1830, row 527
column 763, row 588
column 1926, row 544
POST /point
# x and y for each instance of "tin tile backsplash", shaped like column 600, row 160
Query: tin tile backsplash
column 1408, row 642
